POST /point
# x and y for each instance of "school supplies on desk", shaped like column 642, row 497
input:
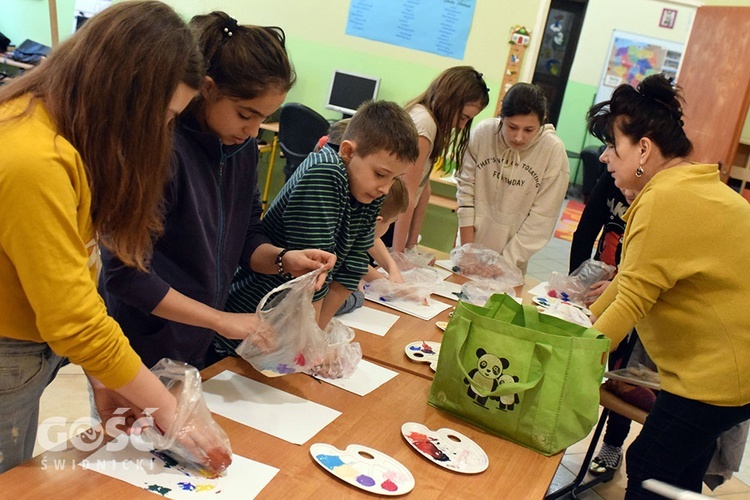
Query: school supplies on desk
column 423, row 311
column 364, row 468
column 447, row 448
column 159, row 474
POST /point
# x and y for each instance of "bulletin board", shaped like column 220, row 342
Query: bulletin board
column 437, row 26
column 632, row 57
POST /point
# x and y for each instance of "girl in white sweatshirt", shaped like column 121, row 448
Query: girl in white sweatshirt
column 513, row 178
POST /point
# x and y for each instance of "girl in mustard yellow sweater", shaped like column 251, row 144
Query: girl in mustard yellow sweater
column 683, row 280
column 84, row 148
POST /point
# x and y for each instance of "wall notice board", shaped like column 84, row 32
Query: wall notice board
column 437, row 26
column 632, row 57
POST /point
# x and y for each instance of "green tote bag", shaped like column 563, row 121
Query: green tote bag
column 530, row 378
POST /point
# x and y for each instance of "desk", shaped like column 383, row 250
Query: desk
column 389, row 349
column 273, row 127
column 374, row 420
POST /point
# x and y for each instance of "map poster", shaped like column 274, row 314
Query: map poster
column 437, row 26
column 631, row 58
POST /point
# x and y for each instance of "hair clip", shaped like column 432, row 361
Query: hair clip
column 230, row 27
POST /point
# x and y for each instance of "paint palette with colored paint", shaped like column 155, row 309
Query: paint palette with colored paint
column 423, row 351
column 365, row 468
column 447, row 448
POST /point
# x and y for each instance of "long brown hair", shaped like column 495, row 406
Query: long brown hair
column 245, row 61
column 107, row 90
column 445, row 98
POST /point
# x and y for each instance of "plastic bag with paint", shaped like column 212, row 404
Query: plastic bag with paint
column 299, row 343
column 194, row 438
column 419, row 283
column 411, row 258
column 478, row 292
column 573, row 287
column 476, row 261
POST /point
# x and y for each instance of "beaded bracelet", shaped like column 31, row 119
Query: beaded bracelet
column 280, row 265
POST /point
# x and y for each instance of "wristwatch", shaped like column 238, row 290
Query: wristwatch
column 280, row 265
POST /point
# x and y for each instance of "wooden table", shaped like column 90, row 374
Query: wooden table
column 388, row 350
column 374, row 420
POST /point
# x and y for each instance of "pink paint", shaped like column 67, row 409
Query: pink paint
column 389, row 485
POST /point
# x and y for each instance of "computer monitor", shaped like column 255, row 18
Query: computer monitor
column 349, row 90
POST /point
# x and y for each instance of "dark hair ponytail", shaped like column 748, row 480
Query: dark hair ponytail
column 653, row 110
column 244, row 61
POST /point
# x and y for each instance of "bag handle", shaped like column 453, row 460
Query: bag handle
column 531, row 320
column 311, row 276
column 542, row 354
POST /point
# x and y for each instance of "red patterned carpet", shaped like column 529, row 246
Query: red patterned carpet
column 568, row 222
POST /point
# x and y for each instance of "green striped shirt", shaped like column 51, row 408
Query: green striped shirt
column 314, row 209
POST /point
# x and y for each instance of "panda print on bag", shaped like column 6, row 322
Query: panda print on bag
column 486, row 377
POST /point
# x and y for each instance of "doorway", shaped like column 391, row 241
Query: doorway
column 557, row 51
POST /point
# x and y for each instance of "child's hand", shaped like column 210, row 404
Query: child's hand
column 394, row 275
column 240, row 326
column 594, row 292
column 299, row 262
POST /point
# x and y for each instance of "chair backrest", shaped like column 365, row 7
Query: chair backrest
column 299, row 130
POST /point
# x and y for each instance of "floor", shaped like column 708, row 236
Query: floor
column 65, row 410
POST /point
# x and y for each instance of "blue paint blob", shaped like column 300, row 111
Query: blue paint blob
column 330, row 461
column 186, row 486
column 365, row 480
column 162, row 490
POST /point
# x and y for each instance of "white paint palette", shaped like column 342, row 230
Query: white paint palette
column 423, row 351
column 447, row 448
column 364, row 468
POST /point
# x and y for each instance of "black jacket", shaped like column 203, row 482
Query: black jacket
column 212, row 225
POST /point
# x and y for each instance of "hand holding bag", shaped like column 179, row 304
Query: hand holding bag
column 532, row 379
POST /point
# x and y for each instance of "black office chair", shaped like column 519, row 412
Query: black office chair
column 299, row 130
column 592, row 169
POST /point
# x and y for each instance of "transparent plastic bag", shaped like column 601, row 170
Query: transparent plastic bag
column 573, row 287
column 300, row 344
column 194, row 435
column 478, row 292
column 419, row 283
column 411, row 258
column 593, row 271
column 478, row 262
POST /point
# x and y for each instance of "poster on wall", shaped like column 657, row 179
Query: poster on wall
column 437, row 26
column 631, row 58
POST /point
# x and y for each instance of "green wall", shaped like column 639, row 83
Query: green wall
column 22, row 19
column 318, row 45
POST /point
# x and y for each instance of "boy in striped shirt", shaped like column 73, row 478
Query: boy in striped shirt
column 332, row 202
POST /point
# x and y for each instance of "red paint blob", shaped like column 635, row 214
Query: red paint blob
column 389, row 485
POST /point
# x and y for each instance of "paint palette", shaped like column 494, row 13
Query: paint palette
column 447, row 448
column 423, row 351
column 365, row 468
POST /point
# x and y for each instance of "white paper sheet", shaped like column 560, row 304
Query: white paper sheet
column 442, row 272
column 448, row 290
column 370, row 320
column 422, row 311
column 265, row 408
column 541, row 289
column 245, row 478
column 365, row 379
column 446, row 264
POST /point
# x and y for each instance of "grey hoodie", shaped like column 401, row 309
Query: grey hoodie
column 512, row 197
